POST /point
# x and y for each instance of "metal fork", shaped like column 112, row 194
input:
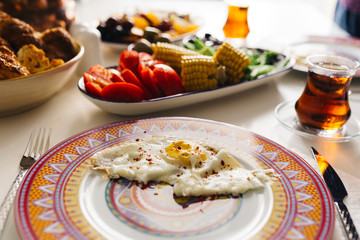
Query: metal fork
column 38, row 143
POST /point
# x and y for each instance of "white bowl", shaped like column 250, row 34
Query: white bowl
column 23, row 93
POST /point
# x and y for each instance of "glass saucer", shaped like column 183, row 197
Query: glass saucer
column 286, row 114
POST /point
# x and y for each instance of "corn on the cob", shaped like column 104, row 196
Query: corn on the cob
column 170, row 54
column 198, row 72
column 234, row 60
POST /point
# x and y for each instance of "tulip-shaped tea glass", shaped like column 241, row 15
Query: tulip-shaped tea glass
column 323, row 108
column 236, row 27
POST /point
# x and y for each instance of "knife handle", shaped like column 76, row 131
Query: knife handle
column 347, row 221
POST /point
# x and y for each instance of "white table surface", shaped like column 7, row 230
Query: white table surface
column 272, row 23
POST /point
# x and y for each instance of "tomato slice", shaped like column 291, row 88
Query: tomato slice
column 153, row 64
column 100, row 75
column 115, row 75
column 122, row 91
column 130, row 77
column 145, row 60
column 94, row 89
column 121, row 66
column 145, row 57
column 88, row 78
column 149, row 82
column 164, row 85
column 173, row 82
column 129, row 59
column 141, row 67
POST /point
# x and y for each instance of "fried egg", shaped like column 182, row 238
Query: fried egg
column 192, row 168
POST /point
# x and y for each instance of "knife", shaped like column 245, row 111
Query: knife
column 338, row 193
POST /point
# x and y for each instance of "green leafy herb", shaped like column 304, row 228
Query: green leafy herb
column 261, row 63
column 199, row 46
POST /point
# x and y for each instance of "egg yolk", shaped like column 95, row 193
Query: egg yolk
column 183, row 151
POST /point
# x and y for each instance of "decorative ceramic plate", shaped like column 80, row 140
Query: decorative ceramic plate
column 347, row 47
column 63, row 198
column 283, row 64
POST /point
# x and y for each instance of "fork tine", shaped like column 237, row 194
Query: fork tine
column 41, row 144
column 29, row 144
column 34, row 151
column 47, row 145
column 44, row 145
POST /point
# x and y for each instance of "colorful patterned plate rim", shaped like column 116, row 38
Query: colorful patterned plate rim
column 63, row 198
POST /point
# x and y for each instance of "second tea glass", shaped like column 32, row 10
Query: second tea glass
column 236, row 27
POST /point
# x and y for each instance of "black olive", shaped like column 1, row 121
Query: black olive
column 126, row 25
column 111, row 22
column 118, row 31
column 107, row 36
column 102, row 29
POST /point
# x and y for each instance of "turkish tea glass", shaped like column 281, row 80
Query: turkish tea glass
column 323, row 107
column 236, row 27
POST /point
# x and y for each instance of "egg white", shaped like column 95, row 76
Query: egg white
column 194, row 169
